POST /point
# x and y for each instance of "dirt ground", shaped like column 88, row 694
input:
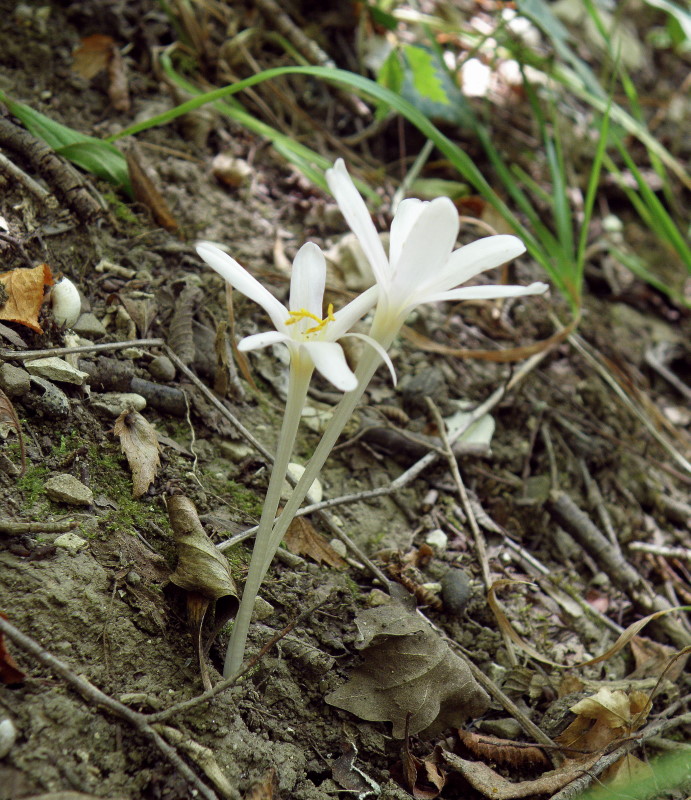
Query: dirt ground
column 104, row 606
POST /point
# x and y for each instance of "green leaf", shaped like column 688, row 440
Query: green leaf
column 425, row 77
column 93, row 155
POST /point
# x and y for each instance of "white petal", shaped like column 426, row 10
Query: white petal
column 487, row 292
column 238, row 277
column 347, row 316
column 375, row 344
column 329, row 359
column 426, row 248
column 358, row 218
column 476, row 257
column 404, row 219
column 258, row 340
column 308, row 280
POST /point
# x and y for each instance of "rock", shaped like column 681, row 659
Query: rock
column 8, row 736
column 162, row 369
column 235, row 451
column 65, row 488
column 90, row 326
column 14, row 381
column 56, row 369
column 315, row 493
column 51, row 402
column 437, row 540
column 262, row 610
column 455, row 591
column 114, row 403
column 70, row 541
column 66, row 302
column 231, row 171
column 507, row 728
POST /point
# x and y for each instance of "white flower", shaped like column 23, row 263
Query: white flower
column 422, row 266
column 301, row 326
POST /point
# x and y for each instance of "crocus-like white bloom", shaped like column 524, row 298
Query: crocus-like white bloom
column 301, row 326
column 422, row 266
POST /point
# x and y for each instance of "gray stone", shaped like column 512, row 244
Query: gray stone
column 89, row 325
column 114, row 403
column 51, row 401
column 507, row 728
column 56, row 369
column 65, row 488
column 14, row 381
column 162, row 369
column 8, row 736
column 71, row 542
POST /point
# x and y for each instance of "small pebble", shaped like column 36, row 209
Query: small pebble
column 162, row 369
column 262, row 610
column 90, row 326
column 14, row 381
column 56, row 369
column 114, row 403
column 437, row 539
column 65, row 488
column 315, row 493
column 455, row 591
column 8, row 736
column 70, row 541
column 51, row 401
column 66, row 302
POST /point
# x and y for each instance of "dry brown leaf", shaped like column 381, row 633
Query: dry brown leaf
column 148, row 195
column 603, row 718
column 653, row 659
column 302, row 539
column 10, row 674
column 421, row 776
column 8, row 416
column 24, row 290
column 626, row 772
column 502, row 356
column 140, row 445
column 408, row 668
column 265, row 788
column 203, row 572
column 93, row 55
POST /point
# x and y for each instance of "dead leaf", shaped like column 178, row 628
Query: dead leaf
column 408, row 668
column 147, row 194
column 97, row 53
column 93, row 55
column 626, row 772
column 302, row 539
column 652, row 659
column 503, row 752
column 422, row 777
column 8, row 416
column 10, row 674
column 24, row 290
column 140, row 445
column 603, row 718
column 265, row 788
column 350, row 777
column 489, row 783
column 204, row 574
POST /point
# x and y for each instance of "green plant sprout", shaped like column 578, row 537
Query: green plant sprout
column 422, row 267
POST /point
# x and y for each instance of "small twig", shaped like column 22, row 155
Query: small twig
column 11, row 169
column 684, row 553
column 185, row 705
column 91, row 694
column 624, row 575
column 19, row 528
column 596, row 500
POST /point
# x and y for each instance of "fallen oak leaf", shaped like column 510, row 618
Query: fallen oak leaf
column 23, row 295
column 422, row 777
column 408, row 668
column 302, row 539
column 140, row 445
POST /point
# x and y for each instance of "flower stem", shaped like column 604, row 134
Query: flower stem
column 384, row 331
column 264, row 549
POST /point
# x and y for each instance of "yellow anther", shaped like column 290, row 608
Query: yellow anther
column 295, row 316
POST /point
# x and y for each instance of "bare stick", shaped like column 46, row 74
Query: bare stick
column 683, row 553
column 18, row 528
column 96, row 697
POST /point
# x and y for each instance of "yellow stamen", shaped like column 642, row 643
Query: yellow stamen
column 295, row 316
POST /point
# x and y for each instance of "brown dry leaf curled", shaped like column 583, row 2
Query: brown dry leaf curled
column 24, row 290
column 8, row 416
column 408, row 668
column 140, row 446
column 203, row 572
column 302, row 539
